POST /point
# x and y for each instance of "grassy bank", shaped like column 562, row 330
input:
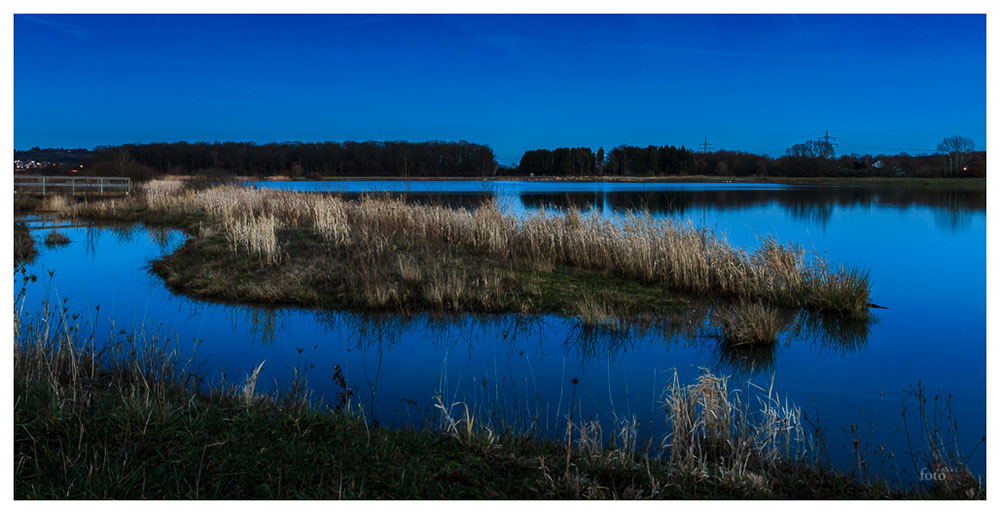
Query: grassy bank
column 124, row 417
column 314, row 250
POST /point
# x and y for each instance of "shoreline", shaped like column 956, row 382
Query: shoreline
column 680, row 179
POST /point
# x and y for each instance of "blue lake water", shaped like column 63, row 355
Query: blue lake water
column 925, row 249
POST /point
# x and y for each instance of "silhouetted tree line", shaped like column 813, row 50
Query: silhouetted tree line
column 449, row 159
column 298, row 160
column 570, row 162
column 810, row 159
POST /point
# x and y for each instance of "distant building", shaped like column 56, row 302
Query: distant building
column 878, row 164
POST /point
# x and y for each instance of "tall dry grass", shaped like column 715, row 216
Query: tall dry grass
column 55, row 203
column 749, row 323
column 714, row 432
column 254, row 234
column 678, row 256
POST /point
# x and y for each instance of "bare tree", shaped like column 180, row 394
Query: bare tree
column 122, row 161
column 957, row 149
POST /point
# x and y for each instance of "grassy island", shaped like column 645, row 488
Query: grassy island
column 383, row 253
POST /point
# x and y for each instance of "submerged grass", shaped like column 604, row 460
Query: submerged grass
column 383, row 253
column 56, row 239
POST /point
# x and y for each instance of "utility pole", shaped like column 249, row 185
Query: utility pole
column 705, row 147
column 827, row 146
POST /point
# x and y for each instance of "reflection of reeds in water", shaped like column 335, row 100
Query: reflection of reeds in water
column 160, row 236
column 703, row 322
column 263, row 322
column 833, row 333
column 746, row 360
column 124, row 232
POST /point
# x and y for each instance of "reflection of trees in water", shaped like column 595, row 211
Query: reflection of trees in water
column 125, row 233
column 815, row 204
column 955, row 218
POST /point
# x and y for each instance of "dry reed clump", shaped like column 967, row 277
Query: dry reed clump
column 715, row 433
column 55, row 203
column 409, row 270
column 445, row 289
column 845, row 290
column 748, row 323
column 464, row 426
column 257, row 235
column 330, row 222
column 634, row 245
column 114, row 208
column 379, row 295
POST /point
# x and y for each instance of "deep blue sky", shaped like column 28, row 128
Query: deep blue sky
column 755, row 83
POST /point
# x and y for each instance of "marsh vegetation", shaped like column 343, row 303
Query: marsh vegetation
column 125, row 416
column 54, row 239
column 382, row 253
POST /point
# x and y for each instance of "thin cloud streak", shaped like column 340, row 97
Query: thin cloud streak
column 57, row 25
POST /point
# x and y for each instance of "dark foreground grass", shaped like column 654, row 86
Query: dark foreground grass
column 198, row 446
column 123, row 417
column 113, row 439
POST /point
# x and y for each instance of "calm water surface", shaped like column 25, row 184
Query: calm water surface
column 925, row 248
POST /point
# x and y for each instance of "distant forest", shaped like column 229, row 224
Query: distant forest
column 669, row 160
column 464, row 159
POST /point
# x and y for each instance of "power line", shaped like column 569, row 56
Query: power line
column 705, row 147
column 827, row 145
